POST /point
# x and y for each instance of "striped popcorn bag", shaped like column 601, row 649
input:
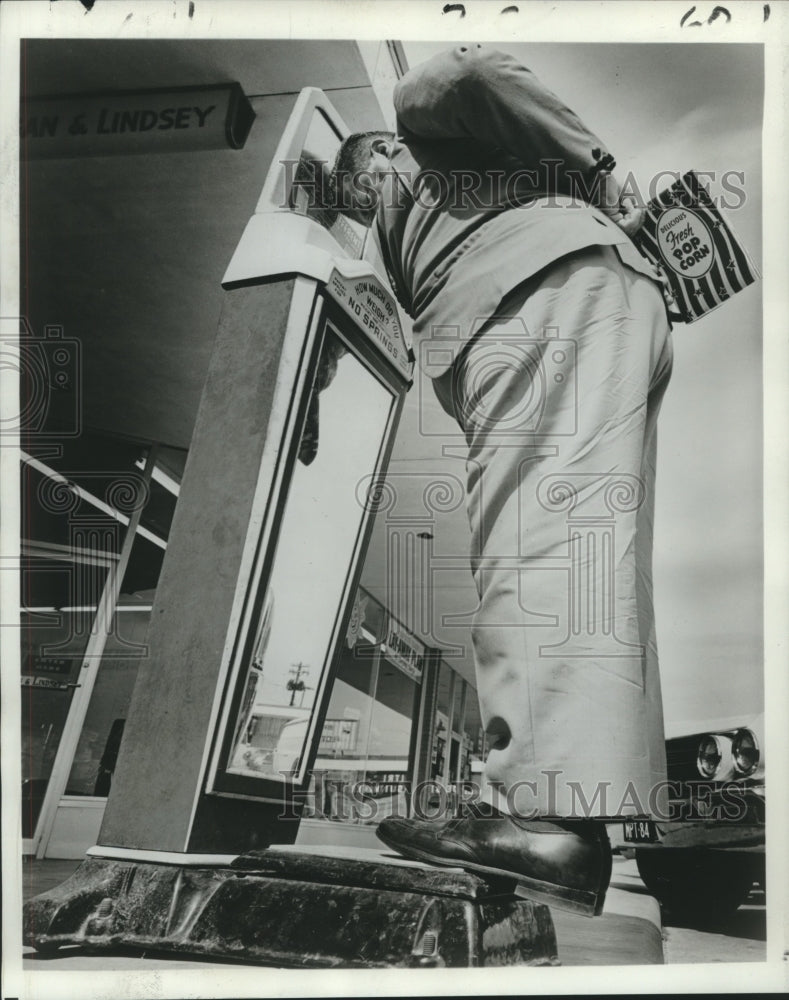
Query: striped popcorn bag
column 697, row 251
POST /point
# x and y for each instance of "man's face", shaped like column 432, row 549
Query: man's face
column 362, row 188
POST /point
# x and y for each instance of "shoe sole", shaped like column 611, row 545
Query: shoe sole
column 583, row 901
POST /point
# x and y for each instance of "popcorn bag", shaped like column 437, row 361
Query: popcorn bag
column 702, row 259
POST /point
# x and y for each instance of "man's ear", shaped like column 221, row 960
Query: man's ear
column 382, row 146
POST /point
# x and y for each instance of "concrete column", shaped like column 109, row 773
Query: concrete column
column 157, row 801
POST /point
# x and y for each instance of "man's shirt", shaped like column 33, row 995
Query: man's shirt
column 489, row 172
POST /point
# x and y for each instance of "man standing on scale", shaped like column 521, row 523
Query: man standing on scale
column 507, row 241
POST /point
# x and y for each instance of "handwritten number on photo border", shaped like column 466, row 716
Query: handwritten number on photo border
column 459, row 8
column 717, row 11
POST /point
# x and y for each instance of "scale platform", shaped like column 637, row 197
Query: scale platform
column 296, row 908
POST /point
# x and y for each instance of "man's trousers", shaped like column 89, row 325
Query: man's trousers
column 558, row 396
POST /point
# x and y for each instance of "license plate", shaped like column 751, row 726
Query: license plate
column 640, row 831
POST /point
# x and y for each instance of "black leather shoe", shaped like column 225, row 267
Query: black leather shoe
column 564, row 864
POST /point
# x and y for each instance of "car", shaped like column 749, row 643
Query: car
column 703, row 860
column 272, row 740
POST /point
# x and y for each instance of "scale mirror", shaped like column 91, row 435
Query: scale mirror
column 287, row 663
column 312, row 193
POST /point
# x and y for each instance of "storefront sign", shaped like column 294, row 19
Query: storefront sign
column 144, row 121
column 44, row 682
column 404, row 650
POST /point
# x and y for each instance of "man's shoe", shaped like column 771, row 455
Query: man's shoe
column 564, row 864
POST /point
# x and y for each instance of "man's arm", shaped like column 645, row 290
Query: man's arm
column 473, row 92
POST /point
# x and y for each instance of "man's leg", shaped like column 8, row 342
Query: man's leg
column 559, row 399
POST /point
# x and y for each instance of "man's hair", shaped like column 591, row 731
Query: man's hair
column 355, row 151
column 352, row 159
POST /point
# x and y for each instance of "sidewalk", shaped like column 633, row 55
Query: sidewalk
column 629, row 931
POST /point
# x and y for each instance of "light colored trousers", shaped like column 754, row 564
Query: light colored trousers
column 558, row 397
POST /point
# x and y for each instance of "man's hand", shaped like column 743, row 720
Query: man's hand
column 629, row 217
column 622, row 210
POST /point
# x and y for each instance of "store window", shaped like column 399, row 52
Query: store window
column 439, row 768
column 53, row 644
column 458, row 751
column 77, row 506
column 63, row 571
column 393, row 714
column 100, row 738
column 474, row 749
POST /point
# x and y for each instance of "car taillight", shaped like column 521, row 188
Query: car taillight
column 709, row 756
column 745, row 752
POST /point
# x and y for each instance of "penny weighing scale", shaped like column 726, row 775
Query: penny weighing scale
column 195, row 854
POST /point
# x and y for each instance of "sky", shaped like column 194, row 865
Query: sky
column 677, row 107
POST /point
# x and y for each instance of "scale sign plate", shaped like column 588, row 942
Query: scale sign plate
column 372, row 307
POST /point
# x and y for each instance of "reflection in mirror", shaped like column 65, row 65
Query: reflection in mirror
column 285, row 672
column 312, row 193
